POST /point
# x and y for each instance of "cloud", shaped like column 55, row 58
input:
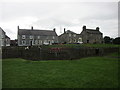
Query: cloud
column 49, row 15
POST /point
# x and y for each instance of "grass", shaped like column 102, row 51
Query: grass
column 91, row 72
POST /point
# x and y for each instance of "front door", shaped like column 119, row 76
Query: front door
column 87, row 41
column 30, row 43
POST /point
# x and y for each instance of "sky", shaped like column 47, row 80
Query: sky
column 59, row 14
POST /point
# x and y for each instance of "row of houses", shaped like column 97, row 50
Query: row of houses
column 36, row 37
column 28, row 37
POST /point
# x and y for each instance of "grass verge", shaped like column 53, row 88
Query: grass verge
column 91, row 72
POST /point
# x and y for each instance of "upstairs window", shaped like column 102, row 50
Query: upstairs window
column 53, row 37
column 23, row 36
column 2, row 36
column 74, row 35
column 38, row 37
column 31, row 37
column 69, row 34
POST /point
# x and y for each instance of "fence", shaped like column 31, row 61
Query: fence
column 36, row 53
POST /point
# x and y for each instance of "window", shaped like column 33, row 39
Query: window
column 2, row 36
column 52, row 41
column 46, row 37
column 74, row 35
column 45, row 41
column 36, row 42
column 31, row 37
column 53, row 37
column 23, row 36
column 38, row 37
column 80, row 39
column 23, row 42
column 69, row 34
column 74, row 40
column 40, row 42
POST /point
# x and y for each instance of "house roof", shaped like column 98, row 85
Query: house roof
column 2, row 30
column 36, row 32
column 7, row 36
column 93, row 31
column 68, row 31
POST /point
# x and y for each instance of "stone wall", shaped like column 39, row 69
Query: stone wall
column 35, row 53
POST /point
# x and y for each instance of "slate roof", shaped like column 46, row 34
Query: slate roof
column 2, row 30
column 93, row 31
column 7, row 36
column 36, row 32
column 68, row 31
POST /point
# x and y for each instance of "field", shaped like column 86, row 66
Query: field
column 91, row 72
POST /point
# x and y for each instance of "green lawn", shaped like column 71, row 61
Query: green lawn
column 91, row 72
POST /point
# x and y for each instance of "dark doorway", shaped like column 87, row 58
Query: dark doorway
column 49, row 42
column 30, row 43
column 87, row 41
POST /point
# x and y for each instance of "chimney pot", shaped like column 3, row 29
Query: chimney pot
column 64, row 30
column 18, row 27
column 32, row 28
column 97, row 28
column 84, row 27
column 54, row 29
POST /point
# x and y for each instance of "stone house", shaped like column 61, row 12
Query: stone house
column 35, row 37
column 91, row 35
column 86, row 36
column 7, row 40
column 4, row 39
column 70, row 37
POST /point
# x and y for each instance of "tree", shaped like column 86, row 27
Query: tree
column 116, row 40
column 107, row 40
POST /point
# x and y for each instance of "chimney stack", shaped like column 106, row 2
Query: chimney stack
column 18, row 27
column 64, row 30
column 32, row 28
column 54, row 29
column 84, row 27
column 97, row 28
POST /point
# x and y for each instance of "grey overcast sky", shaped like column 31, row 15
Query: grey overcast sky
column 59, row 14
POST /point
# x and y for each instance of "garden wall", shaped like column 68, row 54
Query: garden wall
column 37, row 53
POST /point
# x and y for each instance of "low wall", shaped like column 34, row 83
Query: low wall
column 35, row 53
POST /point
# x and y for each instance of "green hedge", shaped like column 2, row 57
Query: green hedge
column 54, row 53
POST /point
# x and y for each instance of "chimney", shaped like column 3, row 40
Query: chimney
column 32, row 28
column 18, row 27
column 97, row 28
column 84, row 27
column 64, row 30
column 54, row 29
